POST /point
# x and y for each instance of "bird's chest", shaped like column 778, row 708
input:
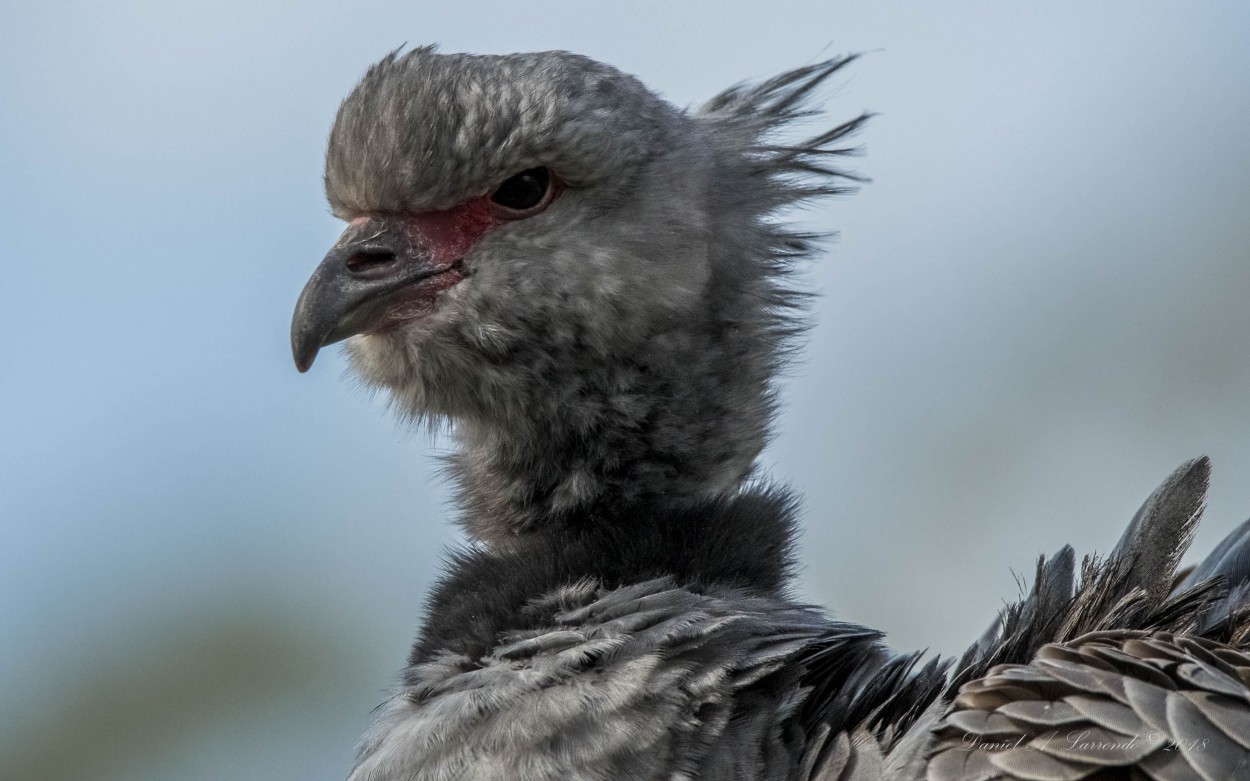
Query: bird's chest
column 641, row 688
column 539, row 719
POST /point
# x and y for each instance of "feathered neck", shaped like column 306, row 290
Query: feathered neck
column 674, row 420
column 675, row 412
column 743, row 542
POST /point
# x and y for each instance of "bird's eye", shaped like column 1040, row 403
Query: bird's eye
column 524, row 194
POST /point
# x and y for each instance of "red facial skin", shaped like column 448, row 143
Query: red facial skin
column 447, row 235
column 450, row 233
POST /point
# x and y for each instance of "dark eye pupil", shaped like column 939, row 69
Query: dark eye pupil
column 523, row 191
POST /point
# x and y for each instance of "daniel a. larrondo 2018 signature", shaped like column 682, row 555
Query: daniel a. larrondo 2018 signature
column 1082, row 741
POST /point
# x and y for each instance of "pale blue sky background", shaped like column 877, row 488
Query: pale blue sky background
column 211, row 566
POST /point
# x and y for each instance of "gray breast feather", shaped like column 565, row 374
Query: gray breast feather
column 638, row 682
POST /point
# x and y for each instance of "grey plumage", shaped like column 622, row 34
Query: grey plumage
column 606, row 690
column 622, row 345
column 1169, row 705
column 589, row 286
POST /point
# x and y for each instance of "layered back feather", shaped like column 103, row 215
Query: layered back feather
column 1134, row 673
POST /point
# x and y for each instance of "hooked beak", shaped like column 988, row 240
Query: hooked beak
column 372, row 277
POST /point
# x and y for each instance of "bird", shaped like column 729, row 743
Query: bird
column 590, row 288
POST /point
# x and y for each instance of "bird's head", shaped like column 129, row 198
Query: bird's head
column 581, row 278
column 496, row 206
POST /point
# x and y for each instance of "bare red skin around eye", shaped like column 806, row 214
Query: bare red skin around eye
column 441, row 238
column 450, row 233
column 447, row 235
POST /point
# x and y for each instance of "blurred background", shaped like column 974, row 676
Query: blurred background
column 211, row 566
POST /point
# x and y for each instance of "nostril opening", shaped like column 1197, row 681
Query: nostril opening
column 368, row 260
